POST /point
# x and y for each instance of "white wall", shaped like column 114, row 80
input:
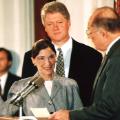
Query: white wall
column 16, row 29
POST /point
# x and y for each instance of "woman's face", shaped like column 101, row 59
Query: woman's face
column 45, row 61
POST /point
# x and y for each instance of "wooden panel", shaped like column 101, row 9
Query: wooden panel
column 117, row 6
column 39, row 29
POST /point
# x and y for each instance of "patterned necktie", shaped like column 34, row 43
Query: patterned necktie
column 60, row 64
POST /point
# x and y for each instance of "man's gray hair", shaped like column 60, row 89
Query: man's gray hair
column 53, row 7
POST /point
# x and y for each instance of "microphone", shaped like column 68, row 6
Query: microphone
column 31, row 85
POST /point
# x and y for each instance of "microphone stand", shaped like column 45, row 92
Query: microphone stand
column 18, row 98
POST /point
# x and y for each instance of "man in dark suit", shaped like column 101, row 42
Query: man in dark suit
column 80, row 61
column 105, row 23
column 6, row 78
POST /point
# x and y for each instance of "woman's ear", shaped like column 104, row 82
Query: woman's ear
column 33, row 61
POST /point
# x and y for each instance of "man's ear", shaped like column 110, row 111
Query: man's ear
column 69, row 23
column 103, row 32
column 9, row 64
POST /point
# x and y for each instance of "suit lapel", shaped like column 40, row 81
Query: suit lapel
column 56, row 86
column 55, row 89
column 103, row 65
column 7, row 86
column 45, row 93
column 41, row 91
column 105, row 59
column 73, row 58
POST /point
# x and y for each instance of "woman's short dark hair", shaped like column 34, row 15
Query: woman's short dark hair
column 40, row 45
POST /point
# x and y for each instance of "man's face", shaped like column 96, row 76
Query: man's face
column 98, row 37
column 4, row 63
column 57, row 27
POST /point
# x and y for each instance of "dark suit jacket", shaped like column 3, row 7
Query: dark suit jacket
column 84, row 64
column 106, row 105
column 10, row 80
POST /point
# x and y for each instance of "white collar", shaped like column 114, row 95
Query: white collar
column 66, row 50
column 3, row 79
column 66, row 46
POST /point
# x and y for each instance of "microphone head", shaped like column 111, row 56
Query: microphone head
column 39, row 81
column 33, row 79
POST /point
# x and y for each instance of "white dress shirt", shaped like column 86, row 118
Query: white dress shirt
column 3, row 79
column 66, row 49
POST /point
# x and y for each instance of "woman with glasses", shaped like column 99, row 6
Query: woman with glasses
column 49, row 90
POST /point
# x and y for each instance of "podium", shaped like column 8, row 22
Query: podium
column 9, row 118
column 17, row 118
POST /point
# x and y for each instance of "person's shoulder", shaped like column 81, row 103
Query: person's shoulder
column 28, row 52
column 83, row 46
column 22, row 82
column 70, row 81
column 13, row 76
column 67, row 81
column 80, row 47
column 19, row 85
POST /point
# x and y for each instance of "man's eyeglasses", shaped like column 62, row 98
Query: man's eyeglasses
column 88, row 32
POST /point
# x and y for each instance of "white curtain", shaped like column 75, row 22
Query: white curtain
column 16, row 29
